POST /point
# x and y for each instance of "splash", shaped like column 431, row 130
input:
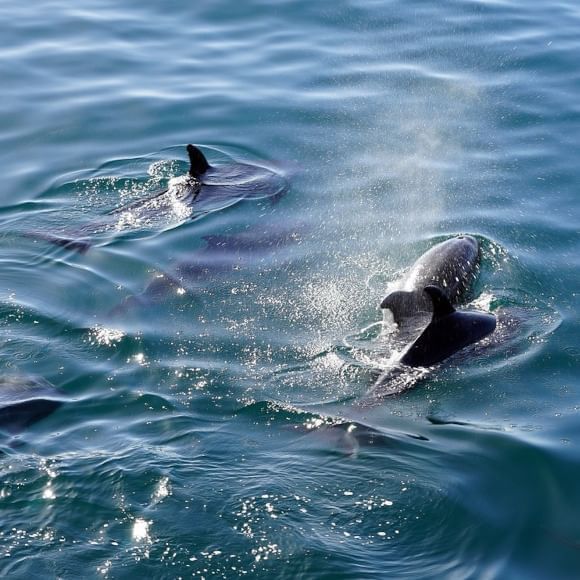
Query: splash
column 103, row 336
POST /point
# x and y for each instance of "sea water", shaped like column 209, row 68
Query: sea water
column 214, row 360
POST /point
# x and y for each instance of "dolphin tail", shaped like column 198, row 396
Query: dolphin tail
column 404, row 304
column 198, row 164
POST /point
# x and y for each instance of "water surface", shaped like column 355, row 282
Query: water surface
column 213, row 368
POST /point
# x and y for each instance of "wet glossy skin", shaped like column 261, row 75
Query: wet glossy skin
column 451, row 265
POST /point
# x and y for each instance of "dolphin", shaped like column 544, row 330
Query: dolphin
column 434, row 285
column 203, row 189
column 222, row 255
column 185, row 188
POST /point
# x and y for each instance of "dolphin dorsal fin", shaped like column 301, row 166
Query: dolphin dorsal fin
column 198, row 163
column 441, row 305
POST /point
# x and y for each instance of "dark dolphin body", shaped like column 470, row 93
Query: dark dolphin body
column 449, row 331
column 205, row 188
column 25, row 400
column 439, row 279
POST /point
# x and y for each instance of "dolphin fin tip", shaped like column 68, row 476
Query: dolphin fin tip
column 441, row 304
column 198, row 164
column 402, row 304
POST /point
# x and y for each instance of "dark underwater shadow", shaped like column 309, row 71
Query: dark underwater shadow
column 25, row 400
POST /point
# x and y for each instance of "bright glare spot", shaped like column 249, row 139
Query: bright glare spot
column 314, row 423
column 126, row 221
column 48, row 492
column 105, row 336
column 140, row 530
column 162, row 490
column 105, row 568
column 138, row 358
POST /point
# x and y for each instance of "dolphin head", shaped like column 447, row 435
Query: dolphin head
column 468, row 240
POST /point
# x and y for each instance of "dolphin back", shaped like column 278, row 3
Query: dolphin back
column 448, row 332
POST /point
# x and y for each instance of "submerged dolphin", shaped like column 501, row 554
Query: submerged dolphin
column 439, row 279
column 25, row 400
column 222, row 256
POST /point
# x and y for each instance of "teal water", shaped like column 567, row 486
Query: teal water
column 214, row 369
